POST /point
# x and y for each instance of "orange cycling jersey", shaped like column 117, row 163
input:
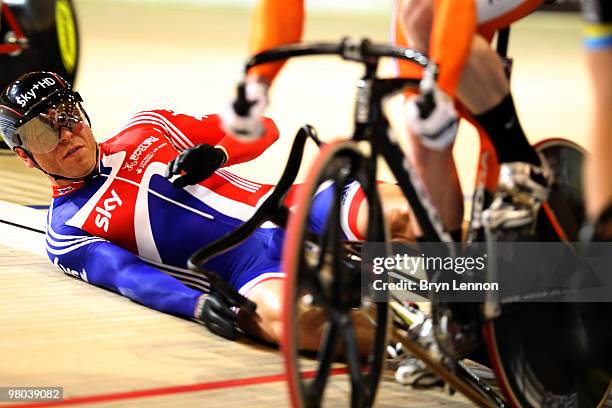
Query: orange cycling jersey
column 455, row 22
column 274, row 23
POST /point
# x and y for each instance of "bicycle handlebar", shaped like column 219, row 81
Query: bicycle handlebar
column 354, row 50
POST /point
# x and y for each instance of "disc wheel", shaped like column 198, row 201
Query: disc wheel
column 566, row 160
column 323, row 286
column 555, row 354
column 50, row 27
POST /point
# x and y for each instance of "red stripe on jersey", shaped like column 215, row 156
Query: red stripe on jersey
column 292, row 195
column 177, row 137
column 354, row 211
column 223, row 185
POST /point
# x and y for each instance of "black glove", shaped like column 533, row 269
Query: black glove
column 215, row 311
column 198, row 163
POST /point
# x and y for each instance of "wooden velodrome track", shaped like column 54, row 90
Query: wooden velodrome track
column 109, row 352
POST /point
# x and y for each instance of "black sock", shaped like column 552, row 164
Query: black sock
column 502, row 125
column 456, row 235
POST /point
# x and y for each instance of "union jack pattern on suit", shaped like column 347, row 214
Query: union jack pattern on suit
column 131, row 231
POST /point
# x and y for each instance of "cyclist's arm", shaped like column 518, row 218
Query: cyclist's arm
column 104, row 264
column 453, row 29
column 185, row 131
column 274, row 23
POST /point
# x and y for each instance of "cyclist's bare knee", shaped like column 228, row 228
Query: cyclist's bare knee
column 267, row 323
column 311, row 323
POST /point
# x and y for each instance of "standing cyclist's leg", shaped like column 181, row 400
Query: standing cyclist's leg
column 479, row 81
column 477, row 78
column 524, row 181
column 598, row 42
column 411, row 27
column 491, row 104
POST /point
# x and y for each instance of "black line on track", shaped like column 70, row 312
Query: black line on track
column 14, row 224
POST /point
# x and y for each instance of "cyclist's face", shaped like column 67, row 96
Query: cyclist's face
column 75, row 154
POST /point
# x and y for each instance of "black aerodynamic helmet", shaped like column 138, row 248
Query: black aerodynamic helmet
column 35, row 107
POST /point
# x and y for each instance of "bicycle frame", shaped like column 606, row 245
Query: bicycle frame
column 372, row 127
column 370, row 122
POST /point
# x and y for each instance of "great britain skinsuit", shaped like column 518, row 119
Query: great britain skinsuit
column 129, row 230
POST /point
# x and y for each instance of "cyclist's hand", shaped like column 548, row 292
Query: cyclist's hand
column 433, row 119
column 217, row 314
column 243, row 117
column 197, row 164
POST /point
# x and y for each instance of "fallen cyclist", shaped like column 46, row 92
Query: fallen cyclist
column 124, row 219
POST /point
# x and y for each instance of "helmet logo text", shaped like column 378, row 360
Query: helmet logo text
column 24, row 98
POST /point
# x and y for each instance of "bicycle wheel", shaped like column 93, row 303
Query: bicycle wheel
column 566, row 160
column 323, row 286
column 555, row 354
column 50, row 27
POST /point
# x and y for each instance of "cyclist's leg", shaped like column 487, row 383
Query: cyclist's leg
column 396, row 211
column 493, row 108
column 445, row 194
column 263, row 283
column 266, row 290
column 524, row 180
column 599, row 166
column 354, row 214
column 483, row 67
column 267, row 325
column 490, row 101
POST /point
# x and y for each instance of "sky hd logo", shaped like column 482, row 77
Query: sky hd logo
column 24, row 98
